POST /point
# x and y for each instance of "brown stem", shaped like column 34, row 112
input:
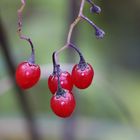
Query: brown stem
column 19, row 31
column 72, row 26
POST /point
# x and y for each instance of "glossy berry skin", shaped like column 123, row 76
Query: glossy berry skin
column 82, row 77
column 63, row 105
column 27, row 75
column 65, row 80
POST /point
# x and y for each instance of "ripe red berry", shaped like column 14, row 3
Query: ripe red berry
column 27, row 75
column 82, row 75
column 63, row 105
column 65, row 81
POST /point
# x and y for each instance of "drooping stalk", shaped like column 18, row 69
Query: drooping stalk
column 60, row 91
column 21, row 36
column 82, row 60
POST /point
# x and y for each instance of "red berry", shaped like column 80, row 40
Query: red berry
column 65, row 81
column 63, row 105
column 27, row 75
column 82, row 76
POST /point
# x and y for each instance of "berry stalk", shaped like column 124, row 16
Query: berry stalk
column 54, row 63
column 21, row 36
column 98, row 32
column 60, row 91
column 90, row 2
column 56, row 70
column 72, row 26
column 82, row 60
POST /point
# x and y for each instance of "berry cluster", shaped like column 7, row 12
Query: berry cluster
column 60, row 82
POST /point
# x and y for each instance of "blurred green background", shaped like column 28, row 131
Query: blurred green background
column 110, row 108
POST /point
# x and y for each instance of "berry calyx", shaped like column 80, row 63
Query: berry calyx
column 27, row 75
column 65, row 81
column 63, row 103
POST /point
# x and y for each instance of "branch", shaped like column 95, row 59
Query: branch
column 98, row 32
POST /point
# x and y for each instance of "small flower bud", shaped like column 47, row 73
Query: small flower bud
column 95, row 9
column 99, row 33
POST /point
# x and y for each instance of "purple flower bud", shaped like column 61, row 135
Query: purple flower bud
column 99, row 33
column 95, row 9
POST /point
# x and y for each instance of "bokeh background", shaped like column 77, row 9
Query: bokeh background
column 109, row 109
